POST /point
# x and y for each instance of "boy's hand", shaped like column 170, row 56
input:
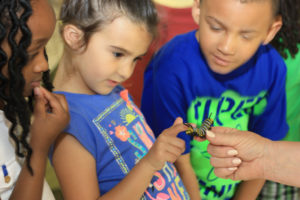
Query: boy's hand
column 50, row 117
column 168, row 147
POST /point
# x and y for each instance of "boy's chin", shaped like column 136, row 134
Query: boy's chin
column 223, row 70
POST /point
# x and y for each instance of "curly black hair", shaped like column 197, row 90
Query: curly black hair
column 288, row 37
column 17, row 108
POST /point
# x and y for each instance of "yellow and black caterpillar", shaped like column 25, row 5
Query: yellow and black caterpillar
column 200, row 132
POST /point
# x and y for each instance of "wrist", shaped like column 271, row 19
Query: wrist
column 39, row 149
column 268, row 159
column 146, row 163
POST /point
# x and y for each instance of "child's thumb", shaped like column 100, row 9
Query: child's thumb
column 178, row 120
column 177, row 127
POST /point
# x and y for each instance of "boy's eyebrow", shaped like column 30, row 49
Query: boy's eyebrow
column 219, row 22
column 214, row 19
column 248, row 31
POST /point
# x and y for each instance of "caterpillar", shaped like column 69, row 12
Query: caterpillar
column 200, row 132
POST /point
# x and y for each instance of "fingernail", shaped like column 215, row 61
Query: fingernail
column 236, row 161
column 232, row 168
column 37, row 91
column 232, row 152
column 210, row 134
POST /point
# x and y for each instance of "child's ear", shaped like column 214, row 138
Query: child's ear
column 196, row 11
column 73, row 36
column 273, row 30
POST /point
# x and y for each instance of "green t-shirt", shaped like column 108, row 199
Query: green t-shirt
column 293, row 97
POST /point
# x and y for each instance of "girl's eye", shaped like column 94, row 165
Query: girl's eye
column 137, row 58
column 32, row 56
column 117, row 54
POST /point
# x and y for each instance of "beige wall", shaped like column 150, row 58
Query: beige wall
column 55, row 45
column 175, row 3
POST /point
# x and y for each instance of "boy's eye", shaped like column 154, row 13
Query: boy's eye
column 215, row 28
column 117, row 54
column 246, row 36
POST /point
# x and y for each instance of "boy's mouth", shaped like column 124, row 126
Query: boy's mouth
column 220, row 61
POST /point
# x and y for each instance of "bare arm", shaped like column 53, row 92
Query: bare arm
column 76, row 170
column 76, row 167
column 44, row 129
column 282, row 162
column 248, row 190
column 186, row 172
column 28, row 186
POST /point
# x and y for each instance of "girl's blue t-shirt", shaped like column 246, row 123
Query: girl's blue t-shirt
column 113, row 130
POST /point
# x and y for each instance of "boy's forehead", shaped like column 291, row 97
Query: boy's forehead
column 273, row 3
column 234, row 15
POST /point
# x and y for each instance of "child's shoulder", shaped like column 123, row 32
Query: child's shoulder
column 269, row 53
column 270, row 58
column 80, row 103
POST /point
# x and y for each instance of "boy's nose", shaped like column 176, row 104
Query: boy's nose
column 227, row 45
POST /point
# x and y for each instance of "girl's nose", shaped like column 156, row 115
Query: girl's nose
column 126, row 70
column 41, row 64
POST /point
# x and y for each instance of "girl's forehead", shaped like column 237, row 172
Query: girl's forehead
column 42, row 21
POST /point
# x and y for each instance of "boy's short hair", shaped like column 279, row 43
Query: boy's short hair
column 275, row 5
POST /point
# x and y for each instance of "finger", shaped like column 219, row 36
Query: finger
column 176, row 152
column 225, row 162
column 178, row 144
column 62, row 100
column 170, row 157
column 52, row 100
column 177, row 127
column 222, row 136
column 178, row 120
column 40, row 101
column 225, row 173
column 175, row 141
column 221, row 151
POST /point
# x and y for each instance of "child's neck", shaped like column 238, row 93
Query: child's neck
column 68, row 79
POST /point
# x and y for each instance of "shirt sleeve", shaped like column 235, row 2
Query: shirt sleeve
column 163, row 97
column 81, row 130
column 272, row 122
